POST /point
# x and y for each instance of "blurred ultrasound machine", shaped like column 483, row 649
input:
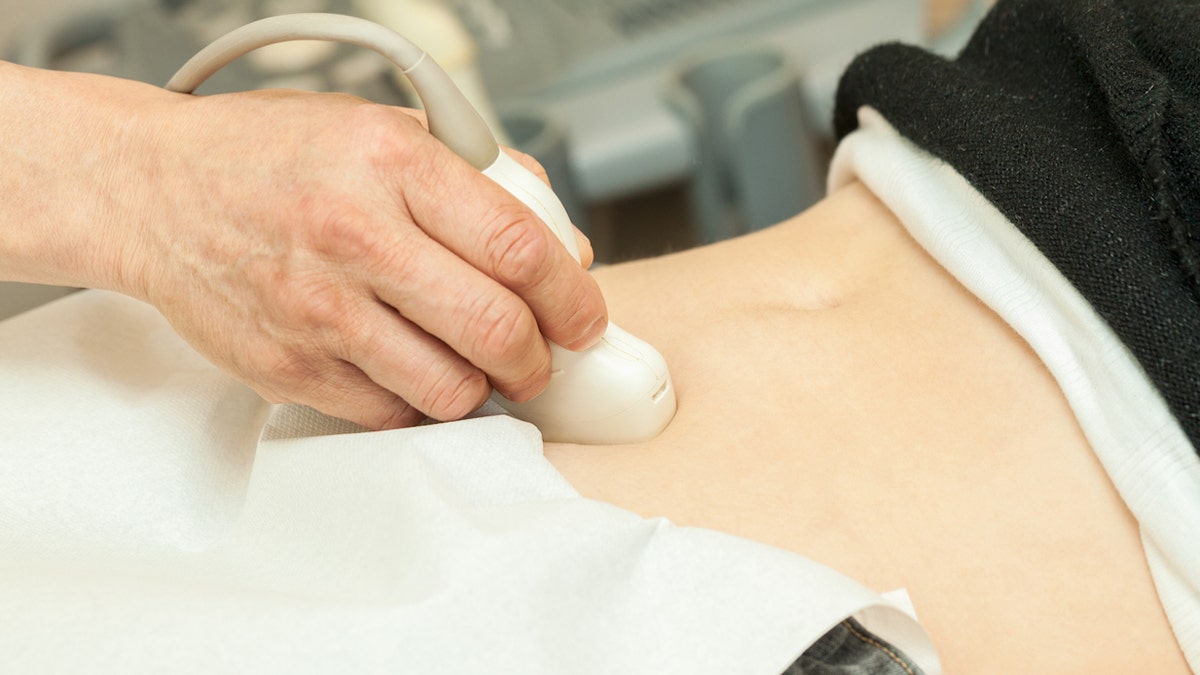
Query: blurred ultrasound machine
column 730, row 101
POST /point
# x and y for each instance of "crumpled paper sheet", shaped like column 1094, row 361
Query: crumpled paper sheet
column 157, row 516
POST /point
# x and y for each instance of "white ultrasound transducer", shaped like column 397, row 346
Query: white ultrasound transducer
column 617, row 391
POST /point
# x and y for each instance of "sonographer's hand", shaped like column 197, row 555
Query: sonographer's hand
column 321, row 249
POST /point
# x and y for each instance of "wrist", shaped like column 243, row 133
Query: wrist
column 73, row 207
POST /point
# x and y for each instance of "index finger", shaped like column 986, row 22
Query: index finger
column 582, row 243
column 483, row 224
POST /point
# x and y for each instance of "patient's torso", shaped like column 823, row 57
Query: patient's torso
column 842, row 397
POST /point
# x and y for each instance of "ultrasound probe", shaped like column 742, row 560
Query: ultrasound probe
column 618, row 391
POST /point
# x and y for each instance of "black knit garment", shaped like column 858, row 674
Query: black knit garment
column 1080, row 121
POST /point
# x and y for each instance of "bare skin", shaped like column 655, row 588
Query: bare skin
column 841, row 396
column 322, row 249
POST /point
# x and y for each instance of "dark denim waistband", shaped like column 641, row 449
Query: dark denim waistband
column 850, row 649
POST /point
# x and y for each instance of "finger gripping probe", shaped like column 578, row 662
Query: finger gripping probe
column 618, row 391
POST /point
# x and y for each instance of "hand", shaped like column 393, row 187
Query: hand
column 328, row 251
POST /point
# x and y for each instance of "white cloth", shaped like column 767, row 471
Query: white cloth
column 156, row 516
column 1142, row 447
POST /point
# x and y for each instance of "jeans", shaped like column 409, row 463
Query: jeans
column 850, row 649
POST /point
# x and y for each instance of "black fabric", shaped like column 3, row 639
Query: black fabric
column 1080, row 121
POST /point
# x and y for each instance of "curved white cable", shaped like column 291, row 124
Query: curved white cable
column 452, row 119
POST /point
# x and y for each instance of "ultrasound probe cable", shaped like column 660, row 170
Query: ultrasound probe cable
column 452, row 119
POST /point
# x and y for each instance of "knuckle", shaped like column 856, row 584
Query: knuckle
column 375, row 125
column 290, row 376
column 316, row 308
column 388, row 138
column 393, row 416
column 456, row 394
column 517, row 247
column 587, row 304
column 577, row 317
column 309, row 310
column 501, row 332
column 342, row 232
